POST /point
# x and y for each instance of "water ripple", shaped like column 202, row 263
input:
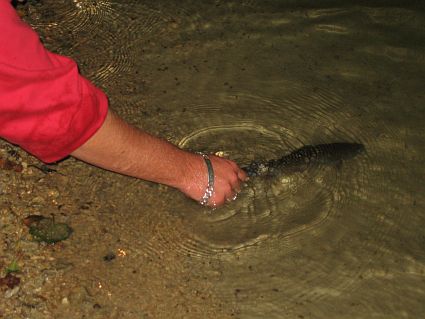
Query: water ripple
column 73, row 16
column 282, row 207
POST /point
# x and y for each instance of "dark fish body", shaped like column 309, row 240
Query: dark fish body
column 300, row 159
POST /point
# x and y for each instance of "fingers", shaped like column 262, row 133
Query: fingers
column 242, row 175
column 219, row 198
column 229, row 179
column 240, row 172
column 233, row 197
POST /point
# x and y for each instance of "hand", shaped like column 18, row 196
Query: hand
column 227, row 179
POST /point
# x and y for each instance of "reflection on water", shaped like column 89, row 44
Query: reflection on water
column 255, row 80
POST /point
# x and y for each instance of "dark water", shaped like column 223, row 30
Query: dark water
column 255, row 80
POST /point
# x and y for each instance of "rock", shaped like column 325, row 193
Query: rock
column 10, row 281
column 109, row 256
column 11, row 292
column 53, row 193
column 78, row 295
column 10, row 165
column 46, row 230
column 38, row 201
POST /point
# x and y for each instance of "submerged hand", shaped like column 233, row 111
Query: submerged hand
column 227, row 179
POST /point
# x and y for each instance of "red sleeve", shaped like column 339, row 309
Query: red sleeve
column 46, row 106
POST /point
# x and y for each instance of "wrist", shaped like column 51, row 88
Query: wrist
column 209, row 191
column 194, row 175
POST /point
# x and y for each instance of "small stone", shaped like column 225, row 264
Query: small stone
column 10, row 281
column 31, row 219
column 11, row 292
column 37, row 201
column 78, row 295
column 48, row 231
column 53, row 193
column 109, row 256
column 65, row 301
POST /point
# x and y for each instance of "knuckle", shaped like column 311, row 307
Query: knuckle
column 234, row 179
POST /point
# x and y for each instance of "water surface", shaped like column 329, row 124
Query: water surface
column 256, row 80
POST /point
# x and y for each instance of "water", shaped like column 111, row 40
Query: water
column 256, row 80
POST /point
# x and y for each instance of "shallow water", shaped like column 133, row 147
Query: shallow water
column 255, row 80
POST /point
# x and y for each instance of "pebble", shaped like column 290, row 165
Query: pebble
column 65, row 301
column 11, row 292
column 78, row 295
column 38, row 200
column 53, row 193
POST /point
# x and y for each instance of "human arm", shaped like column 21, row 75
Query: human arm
column 124, row 149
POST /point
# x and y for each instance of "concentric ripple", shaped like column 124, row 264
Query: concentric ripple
column 268, row 208
column 112, row 62
column 72, row 16
column 113, row 30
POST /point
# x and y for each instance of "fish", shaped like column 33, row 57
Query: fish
column 305, row 157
